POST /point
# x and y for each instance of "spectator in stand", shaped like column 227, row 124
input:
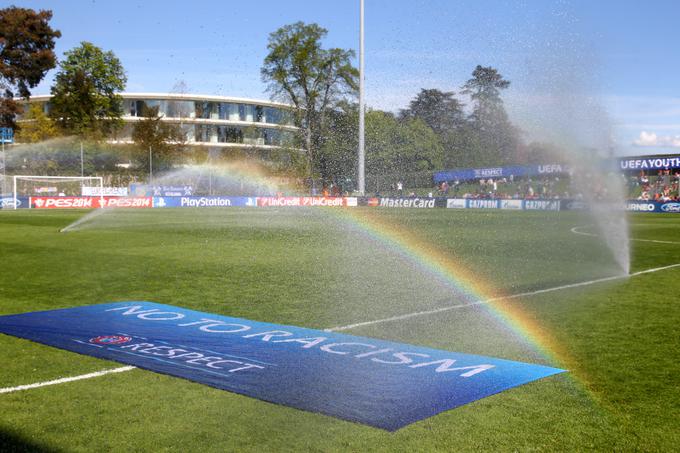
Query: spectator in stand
column 400, row 188
column 644, row 180
column 666, row 195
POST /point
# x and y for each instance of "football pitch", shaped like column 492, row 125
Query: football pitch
column 538, row 287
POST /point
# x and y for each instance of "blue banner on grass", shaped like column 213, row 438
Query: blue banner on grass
column 380, row 383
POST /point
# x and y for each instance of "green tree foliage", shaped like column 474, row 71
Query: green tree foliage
column 26, row 54
column 36, row 126
column 85, row 99
column 438, row 109
column 484, row 90
column 393, row 147
column 491, row 139
column 400, row 147
column 300, row 71
column 542, row 153
column 165, row 140
column 337, row 159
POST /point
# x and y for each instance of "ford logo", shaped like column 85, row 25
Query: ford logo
column 9, row 203
column 670, row 207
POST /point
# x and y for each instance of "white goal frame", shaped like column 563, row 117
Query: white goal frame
column 38, row 178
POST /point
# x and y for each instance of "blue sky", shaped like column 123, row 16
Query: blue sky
column 621, row 56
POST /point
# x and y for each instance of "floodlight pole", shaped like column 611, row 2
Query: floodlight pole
column 4, row 172
column 150, row 167
column 361, row 181
column 82, row 161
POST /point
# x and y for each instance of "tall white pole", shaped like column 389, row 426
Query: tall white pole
column 4, row 172
column 150, row 167
column 4, row 136
column 361, row 181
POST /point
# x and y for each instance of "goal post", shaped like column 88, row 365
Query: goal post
column 32, row 180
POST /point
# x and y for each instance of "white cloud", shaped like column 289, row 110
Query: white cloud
column 652, row 139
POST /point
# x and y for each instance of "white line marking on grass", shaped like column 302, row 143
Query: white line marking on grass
column 654, row 240
column 365, row 323
column 576, row 229
column 66, row 379
column 496, row 299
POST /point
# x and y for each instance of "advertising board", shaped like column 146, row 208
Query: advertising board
column 304, row 201
column 653, row 206
column 104, row 191
column 202, row 202
column 415, row 202
column 541, row 205
column 89, row 202
column 8, row 202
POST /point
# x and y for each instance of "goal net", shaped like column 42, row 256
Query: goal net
column 57, row 186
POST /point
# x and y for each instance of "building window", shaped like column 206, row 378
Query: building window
column 142, row 107
column 205, row 110
column 181, row 109
column 231, row 134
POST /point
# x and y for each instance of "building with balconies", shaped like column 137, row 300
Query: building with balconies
column 212, row 121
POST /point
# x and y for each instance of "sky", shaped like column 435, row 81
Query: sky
column 606, row 65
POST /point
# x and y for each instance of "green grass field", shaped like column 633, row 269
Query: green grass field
column 320, row 268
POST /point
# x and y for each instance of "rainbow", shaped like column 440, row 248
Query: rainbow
column 452, row 271
column 474, row 290
column 248, row 172
column 429, row 258
column 445, row 267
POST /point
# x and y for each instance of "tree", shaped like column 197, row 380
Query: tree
column 395, row 148
column 299, row 71
column 544, row 153
column 484, row 90
column 438, row 109
column 36, row 126
column 400, row 147
column 496, row 140
column 85, row 95
column 26, row 54
column 165, row 140
column 337, row 158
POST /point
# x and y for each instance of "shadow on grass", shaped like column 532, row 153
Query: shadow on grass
column 13, row 442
